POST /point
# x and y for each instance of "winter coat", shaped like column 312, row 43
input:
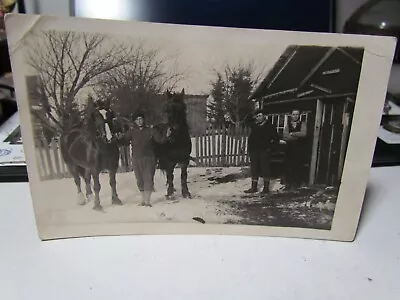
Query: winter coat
column 142, row 141
column 262, row 137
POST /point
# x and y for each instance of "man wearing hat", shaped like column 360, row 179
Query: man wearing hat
column 141, row 137
column 262, row 138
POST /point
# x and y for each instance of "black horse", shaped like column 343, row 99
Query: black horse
column 179, row 146
column 87, row 153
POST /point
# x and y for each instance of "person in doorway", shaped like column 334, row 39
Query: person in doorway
column 141, row 137
column 294, row 133
column 262, row 138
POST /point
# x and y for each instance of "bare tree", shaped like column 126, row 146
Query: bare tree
column 65, row 63
column 139, row 84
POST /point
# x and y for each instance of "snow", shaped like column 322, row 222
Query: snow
column 61, row 203
column 217, row 198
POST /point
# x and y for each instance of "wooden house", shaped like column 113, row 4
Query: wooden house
column 322, row 83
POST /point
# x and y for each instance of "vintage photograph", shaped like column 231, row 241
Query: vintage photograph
column 135, row 128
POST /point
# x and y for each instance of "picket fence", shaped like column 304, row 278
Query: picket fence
column 222, row 146
column 52, row 166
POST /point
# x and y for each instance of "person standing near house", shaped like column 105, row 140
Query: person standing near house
column 261, row 141
column 294, row 133
column 141, row 137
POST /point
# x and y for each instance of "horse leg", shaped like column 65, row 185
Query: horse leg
column 81, row 197
column 113, row 183
column 170, row 183
column 185, row 189
column 88, row 183
column 97, row 188
column 74, row 171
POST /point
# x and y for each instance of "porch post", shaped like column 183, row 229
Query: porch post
column 317, row 130
column 345, row 134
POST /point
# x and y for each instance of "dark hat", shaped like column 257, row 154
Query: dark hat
column 137, row 115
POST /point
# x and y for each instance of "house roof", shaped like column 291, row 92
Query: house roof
column 303, row 71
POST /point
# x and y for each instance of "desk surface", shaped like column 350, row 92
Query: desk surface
column 203, row 267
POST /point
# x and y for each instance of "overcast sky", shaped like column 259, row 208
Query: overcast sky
column 199, row 59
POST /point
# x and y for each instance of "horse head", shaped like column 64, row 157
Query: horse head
column 95, row 122
column 175, row 109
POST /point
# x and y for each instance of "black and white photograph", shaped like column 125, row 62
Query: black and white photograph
column 189, row 125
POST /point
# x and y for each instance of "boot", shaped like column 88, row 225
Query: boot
column 147, row 198
column 253, row 188
column 266, row 187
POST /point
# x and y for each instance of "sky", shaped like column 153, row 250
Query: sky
column 199, row 59
column 201, row 49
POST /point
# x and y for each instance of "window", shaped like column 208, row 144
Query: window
column 280, row 120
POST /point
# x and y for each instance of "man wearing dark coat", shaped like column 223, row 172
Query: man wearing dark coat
column 294, row 134
column 141, row 137
column 262, row 139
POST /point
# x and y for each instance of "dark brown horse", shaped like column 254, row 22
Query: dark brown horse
column 87, row 153
column 178, row 147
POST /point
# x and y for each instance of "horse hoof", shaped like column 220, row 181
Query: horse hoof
column 142, row 204
column 116, row 201
column 89, row 197
column 187, row 195
column 148, row 205
column 97, row 207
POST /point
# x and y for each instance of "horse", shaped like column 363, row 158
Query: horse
column 87, row 153
column 178, row 147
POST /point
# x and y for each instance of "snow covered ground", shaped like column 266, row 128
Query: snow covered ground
column 61, row 206
column 216, row 195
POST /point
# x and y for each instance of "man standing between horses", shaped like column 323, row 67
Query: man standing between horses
column 261, row 141
column 294, row 134
column 144, row 161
